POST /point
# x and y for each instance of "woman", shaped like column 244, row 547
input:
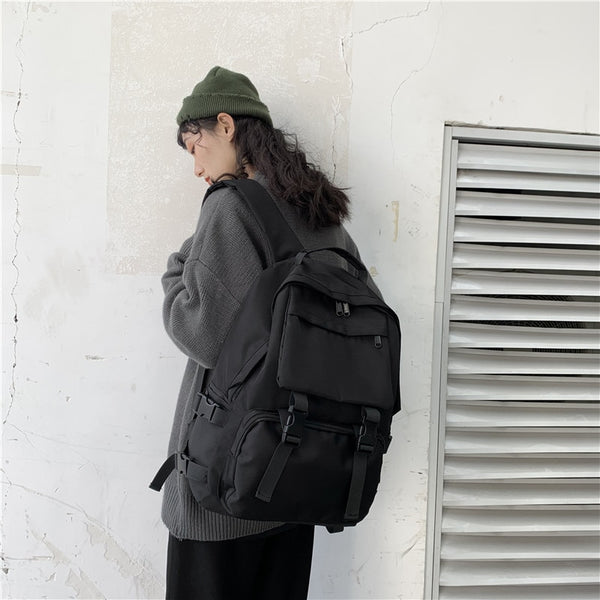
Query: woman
column 229, row 133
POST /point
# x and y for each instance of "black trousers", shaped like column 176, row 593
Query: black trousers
column 271, row 566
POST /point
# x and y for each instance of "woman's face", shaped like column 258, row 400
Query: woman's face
column 213, row 152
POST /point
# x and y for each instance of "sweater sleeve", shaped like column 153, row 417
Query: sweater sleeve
column 207, row 280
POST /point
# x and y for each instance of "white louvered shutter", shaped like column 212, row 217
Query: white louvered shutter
column 514, row 508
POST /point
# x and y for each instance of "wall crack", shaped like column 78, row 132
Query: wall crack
column 344, row 44
column 343, row 40
column 336, row 115
column 17, row 222
column 409, row 76
column 391, row 20
column 348, row 37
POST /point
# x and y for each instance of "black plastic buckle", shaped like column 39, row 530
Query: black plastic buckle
column 294, row 424
column 367, row 434
column 206, row 407
column 182, row 463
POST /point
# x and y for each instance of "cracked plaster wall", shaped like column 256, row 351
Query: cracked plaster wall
column 96, row 194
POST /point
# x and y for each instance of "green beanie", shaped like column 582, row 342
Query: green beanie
column 223, row 91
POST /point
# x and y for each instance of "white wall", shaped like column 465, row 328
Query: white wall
column 103, row 195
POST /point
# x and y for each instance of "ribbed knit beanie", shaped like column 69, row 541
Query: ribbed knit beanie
column 223, row 91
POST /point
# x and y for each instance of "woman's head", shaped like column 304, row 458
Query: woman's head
column 211, row 143
column 206, row 121
column 229, row 132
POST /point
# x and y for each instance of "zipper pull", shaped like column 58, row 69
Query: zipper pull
column 339, row 311
column 378, row 342
column 346, row 308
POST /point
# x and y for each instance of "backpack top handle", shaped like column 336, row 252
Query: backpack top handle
column 350, row 258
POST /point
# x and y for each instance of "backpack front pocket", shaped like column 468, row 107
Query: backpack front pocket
column 315, row 482
column 332, row 349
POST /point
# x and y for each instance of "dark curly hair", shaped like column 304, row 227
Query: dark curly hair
column 278, row 156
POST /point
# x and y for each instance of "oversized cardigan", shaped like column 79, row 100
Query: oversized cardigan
column 205, row 284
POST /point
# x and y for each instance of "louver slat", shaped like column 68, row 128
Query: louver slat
column 489, row 204
column 519, row 460
column 473, row 308
column 505, row 362
column 529, row 468
column 461, row 547
column 470, row 494
column 538, row 284
column 522, row 414
column 498, row 573
column 467, row 229
column 581, row 519
column 477, row 256
column 519, row 387
column 531, row 441
column 521, row 592
column 525, row 181
column 476, row 335
column 528, row 160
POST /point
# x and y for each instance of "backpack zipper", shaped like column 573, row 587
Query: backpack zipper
column 266, row 415
column 342, row 309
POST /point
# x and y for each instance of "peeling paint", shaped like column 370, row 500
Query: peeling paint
column 21, row 170
column 82, row 584
column 127, row 566
column 113, row 551
column 11, row 94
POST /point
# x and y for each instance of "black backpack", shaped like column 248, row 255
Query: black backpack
column 292, row 423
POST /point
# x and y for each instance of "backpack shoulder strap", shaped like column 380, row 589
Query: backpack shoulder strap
column 282, row 239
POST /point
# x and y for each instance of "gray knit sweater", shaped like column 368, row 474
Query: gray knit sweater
column 205, row 284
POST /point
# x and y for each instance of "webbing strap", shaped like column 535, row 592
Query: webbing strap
column 293, row 424
column 357, row 483
column 171, row 463
column 282, row 239
column 365, row 444
column 165, row 470
column 273, row 472
column 178, row 462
